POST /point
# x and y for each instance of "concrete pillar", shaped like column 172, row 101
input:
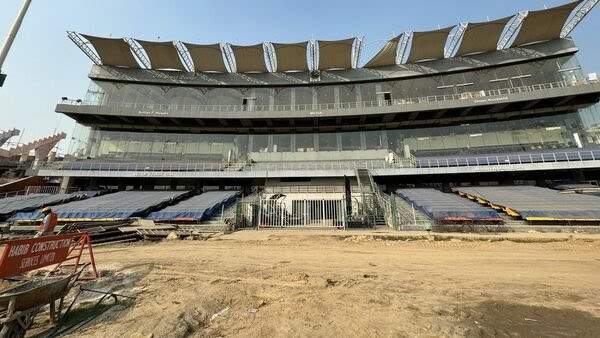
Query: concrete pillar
column 24, row 157
column 64, row 184
column 41, row 153
column 51, row 156
column 406, row 152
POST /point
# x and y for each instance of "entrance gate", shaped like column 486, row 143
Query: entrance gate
column 292, row 213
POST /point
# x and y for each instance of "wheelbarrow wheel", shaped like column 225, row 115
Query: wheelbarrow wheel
column 12, row 330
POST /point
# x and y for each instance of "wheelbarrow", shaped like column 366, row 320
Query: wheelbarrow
column 20, row 305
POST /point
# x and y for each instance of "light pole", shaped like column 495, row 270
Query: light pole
column 10, row 38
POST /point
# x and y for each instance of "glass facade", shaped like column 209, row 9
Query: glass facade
column 570, row 129
column 553, row 70
column 552, row 132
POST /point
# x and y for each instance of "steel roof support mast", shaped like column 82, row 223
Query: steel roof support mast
column 10, row 38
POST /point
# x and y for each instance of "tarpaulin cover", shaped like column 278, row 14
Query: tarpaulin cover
column 197, row 208
column 447, row 207
column 537, row 202
column 30, row 202
column 119, row 205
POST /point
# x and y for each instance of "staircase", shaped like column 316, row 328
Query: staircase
column 370, row 195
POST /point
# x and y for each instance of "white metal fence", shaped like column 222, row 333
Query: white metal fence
column 292, row 213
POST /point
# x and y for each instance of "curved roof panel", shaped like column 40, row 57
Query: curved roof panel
column 162, row 55
column 335, row 54
column 113, row 52
column 481, row 37
column 291, row 56
column 545, row 24
column 429, row 45
column 249, row 58
column 387, row 55
column 206, row 58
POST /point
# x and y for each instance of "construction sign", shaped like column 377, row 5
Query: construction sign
column 24, row 255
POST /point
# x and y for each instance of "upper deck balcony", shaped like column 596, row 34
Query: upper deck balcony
column 426, row 111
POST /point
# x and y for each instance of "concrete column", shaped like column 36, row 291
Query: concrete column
column 64, row 184
column 41, row 153
column 51, row 156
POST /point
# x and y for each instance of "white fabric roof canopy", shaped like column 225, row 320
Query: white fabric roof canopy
column 429, row 45
column 291, row 56
column 206, row 58
column 113, row 52
column 335, row 54
column 545, row 24
column 387, row 55
column 162, row 55
column 249, row 58
column 482, row 37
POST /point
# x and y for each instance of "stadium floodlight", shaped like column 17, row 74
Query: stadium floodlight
column 10, row 38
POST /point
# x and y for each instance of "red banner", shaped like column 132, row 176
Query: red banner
column 24, row 255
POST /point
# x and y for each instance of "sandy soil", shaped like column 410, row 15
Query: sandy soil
column 296, row 284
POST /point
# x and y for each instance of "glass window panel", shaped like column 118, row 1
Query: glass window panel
column 282, row 143
column 305, row 143
column 261, row 143
column 328, row 142
column 374, row 140
column 351, row 141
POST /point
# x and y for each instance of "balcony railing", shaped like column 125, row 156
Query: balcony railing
column 473, row 161
column 196, row 167
column 316, row 109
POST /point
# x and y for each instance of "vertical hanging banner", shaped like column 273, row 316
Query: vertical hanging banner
column 24, row 255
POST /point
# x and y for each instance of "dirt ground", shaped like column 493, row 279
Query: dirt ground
column 341, row 284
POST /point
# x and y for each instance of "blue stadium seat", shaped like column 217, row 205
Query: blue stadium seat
column 197, row 208
column 447, row 207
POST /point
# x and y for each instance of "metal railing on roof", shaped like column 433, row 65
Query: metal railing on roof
column 151, row 109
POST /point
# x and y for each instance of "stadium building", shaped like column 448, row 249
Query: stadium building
column 502, row 102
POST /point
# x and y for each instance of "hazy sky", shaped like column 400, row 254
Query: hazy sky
column 44, row 65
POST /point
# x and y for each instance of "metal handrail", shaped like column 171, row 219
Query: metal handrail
column 157, row 109
column 207, row 166
column 543, row 157
column 471, row 161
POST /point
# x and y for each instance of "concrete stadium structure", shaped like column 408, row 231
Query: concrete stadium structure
column 497, row 102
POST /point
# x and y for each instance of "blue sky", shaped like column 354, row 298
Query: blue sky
column 44, row 65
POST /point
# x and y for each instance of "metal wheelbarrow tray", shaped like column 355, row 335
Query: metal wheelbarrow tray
column 19, row 305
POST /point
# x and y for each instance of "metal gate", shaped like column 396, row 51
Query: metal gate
column 292, row 213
